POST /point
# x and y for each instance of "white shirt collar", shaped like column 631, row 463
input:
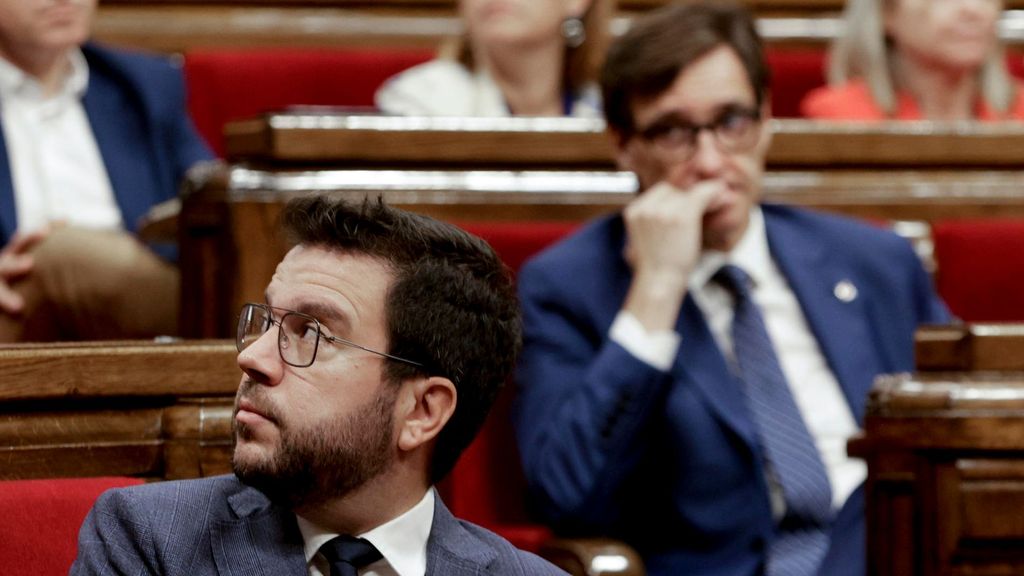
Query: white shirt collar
column 402, row 540
column 751, row 254
column 16, row 82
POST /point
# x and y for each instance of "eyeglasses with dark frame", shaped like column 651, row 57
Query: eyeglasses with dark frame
column 298, row 337
column 735, row 129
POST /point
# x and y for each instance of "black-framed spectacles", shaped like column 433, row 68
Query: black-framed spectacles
column 735, row 129
column 298, row 337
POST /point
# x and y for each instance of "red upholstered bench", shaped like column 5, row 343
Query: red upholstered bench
column 981, row 268
column 795, row 72
column 226, row 85
column 41, row 518
column 487, row 485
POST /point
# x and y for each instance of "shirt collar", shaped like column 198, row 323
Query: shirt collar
column 751, row 254
column 402, row 541
column 16, row 82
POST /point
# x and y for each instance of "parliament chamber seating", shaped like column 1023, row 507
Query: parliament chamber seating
column 230, row 84
column 77, row 418
column 39, row 521
column 981, row 268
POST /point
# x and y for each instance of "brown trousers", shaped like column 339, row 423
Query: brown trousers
column 94, row 285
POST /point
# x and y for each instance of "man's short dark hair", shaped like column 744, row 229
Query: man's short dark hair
column 452, row 306
column 646, row 60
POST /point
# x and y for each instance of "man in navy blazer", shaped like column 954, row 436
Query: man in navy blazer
column 91, row 139
column 383, row 341
column 633, row 417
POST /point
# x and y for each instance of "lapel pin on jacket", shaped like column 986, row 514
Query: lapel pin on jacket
column 845, row 291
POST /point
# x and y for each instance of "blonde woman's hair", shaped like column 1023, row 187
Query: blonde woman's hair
column 582, row 64
column 863, row 51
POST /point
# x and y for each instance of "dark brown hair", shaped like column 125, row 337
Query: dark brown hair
column 646, row 60
column 452, row 306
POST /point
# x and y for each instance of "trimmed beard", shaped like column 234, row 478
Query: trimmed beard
column 313, row 465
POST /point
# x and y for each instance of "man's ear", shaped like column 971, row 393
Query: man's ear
column 425, row 405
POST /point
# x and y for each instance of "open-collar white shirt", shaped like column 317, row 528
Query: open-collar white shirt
column 57, row 171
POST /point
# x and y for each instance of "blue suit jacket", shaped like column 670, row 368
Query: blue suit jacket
column 220, row 526
column 136, row 107
column 614, row 446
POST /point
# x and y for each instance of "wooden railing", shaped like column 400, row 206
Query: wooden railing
column 180, row 25
column 554, row 169
column 147, row 409
column 945, row 454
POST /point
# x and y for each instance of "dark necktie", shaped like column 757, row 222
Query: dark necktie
column 347, row 555
column 789, row 449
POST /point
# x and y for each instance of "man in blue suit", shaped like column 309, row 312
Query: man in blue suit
column 383, row 341
column 693, row 366
column 92, row 138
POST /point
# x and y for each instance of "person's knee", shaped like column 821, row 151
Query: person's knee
column 106, row 281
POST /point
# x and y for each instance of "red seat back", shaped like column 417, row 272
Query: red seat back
column 226, row 85
column 981, row 268
column 795, row 72
column 487, row 485
column 41, row 519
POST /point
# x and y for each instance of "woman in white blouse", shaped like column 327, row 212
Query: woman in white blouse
column 518, row 57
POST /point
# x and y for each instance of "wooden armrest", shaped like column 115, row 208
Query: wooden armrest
column 160, row 222
column 593, row 557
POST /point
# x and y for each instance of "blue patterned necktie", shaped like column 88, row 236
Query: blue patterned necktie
column 788, row 447
column 347, row 555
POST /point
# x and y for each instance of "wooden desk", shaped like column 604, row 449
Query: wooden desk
column 139, row 408
column 324, row 138
column 180, row 25
column 553, row 169
column 945, row 454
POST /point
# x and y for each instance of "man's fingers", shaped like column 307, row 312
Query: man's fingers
column 10, row 301
column 21, row 242
column 15, row 266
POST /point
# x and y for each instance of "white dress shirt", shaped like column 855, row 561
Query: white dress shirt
column 401, row 541
column 814, row 386
column 56, row 168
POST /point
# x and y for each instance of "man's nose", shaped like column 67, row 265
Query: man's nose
column 261, row 361
column 708, row 158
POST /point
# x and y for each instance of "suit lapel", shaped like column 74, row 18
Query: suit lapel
column 124, row 138
column 452, row 550
column 8, row 213
column 263, row 540
column 840, row 326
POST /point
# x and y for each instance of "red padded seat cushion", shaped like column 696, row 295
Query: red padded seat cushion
column 226, row 84
column 981, row 268
column 41, row 519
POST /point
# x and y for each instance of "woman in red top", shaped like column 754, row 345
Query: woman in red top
column 918, row 59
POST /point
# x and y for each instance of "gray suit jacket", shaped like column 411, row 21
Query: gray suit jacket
column 220, row 526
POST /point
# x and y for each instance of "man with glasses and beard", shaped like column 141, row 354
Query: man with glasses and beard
column 383, row 341
column 693, row 366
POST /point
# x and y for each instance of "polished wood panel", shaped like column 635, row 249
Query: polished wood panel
column 522, row 169
column 343, row 139
column 970, row 347
column 945, row 450
column 945, row 454
column 136, row 408
column 178, row 26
